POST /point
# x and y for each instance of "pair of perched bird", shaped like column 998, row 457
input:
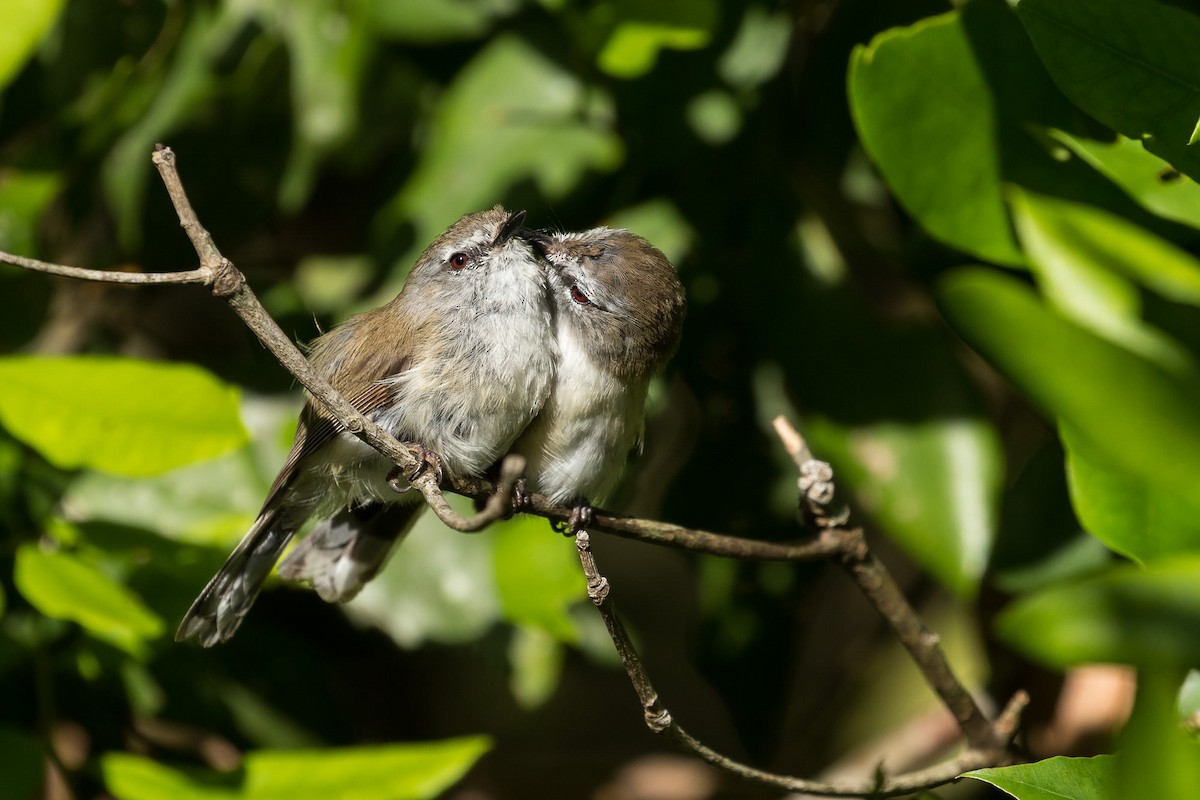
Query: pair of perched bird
column 503, row 339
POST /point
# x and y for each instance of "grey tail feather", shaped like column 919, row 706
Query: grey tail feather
column 343, row 553
column 218, row 611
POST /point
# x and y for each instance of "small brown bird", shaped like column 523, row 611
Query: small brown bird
column 459, row 363
column 619, row 310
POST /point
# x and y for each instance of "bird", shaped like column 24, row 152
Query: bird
column 619, row 309
column 458, row 363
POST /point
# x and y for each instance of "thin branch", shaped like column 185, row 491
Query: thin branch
column 106, row 276
column 660, row 720
column 877, row 584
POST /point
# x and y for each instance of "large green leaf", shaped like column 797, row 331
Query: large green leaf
column 505, row 112
column 538, row 576
column 383, row 772
column 118, row 415
column 62, row 586
column 932, row 484
column 1057, row 778
column 1125, row 614
column 1079, row 255
column 925, row 114
column 437, row 20
column 1145, row 177
column 1156, row 756
column 1141, row 417
column 1128, row 64
column 25, row 23
column 1133, row 515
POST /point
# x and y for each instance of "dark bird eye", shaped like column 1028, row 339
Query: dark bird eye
column 459, row 260
column 578, row 296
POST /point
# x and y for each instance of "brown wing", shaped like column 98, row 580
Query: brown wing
column 315, row 427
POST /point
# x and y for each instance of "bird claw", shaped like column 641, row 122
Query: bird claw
column 426, row 459
column 581, row 518
column 521, row 498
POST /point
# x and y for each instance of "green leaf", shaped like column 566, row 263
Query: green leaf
column 1108, row 242
column 437, row 587
column 1145, row 177
column 933, row 485
column 1125, row 614
column 118, row 415
column 1155, row 756
column 381, row 772
column 1058, row 778
column 536, row 660
column 130, row 777
column 924, row 112
column 188, row 82
column 24, row 196
column 1140, row 417
column 538, row 576
column 327, row 50
column 1125, row 62
column 22, row 760
column 26, row 23
column 438, row 20
column 1134, row 516
column 505, row 111
column 1078, row 254
column 61, row 586
column 645, row 27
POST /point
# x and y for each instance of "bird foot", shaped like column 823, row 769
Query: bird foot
column 581, row 518
column 426, row 459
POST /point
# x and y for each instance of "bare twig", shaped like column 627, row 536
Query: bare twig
column 660, row 720
column 106, row 276
column 877, row 584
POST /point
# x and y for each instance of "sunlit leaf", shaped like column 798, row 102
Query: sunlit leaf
column 1079, row 255
column 437, row 20
column 1143, row 418
column 26, row 22
column 118, row 415
column 62, row 586
column 130, row 777
column 419, row 771
column 538, row 576
column 933, row 485
column 1123, row 62
column 1125, row 614
column 380, row 772
column 924, row 113
column 759, row 48
column 1057, row 778
column 1144, row 176
column 645, row 27
column 1135, row 516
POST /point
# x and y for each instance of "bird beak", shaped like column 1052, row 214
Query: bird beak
column 509, row 228
column 538, row 239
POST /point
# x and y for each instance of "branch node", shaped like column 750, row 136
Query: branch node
column 227, row 280
column 658, row 719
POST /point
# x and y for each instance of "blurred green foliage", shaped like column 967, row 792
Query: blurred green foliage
column 957, row 246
